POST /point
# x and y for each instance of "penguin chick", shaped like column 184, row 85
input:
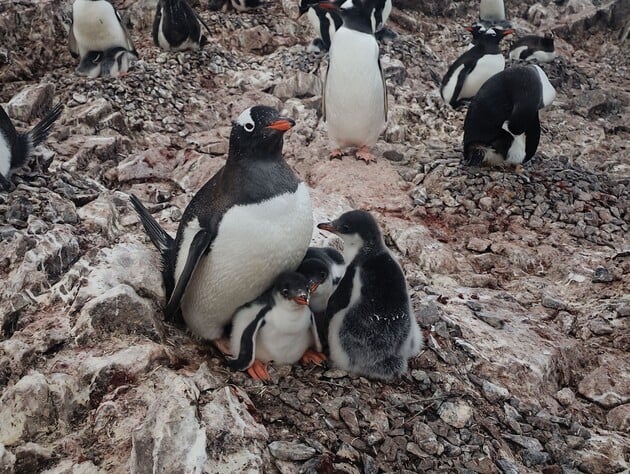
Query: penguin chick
column 15, row 148
column 502, row 124
column 278, row 327
column 116, row 62
column 468, row 73
column 97, row 26
column 534, row 48
column 90, row 64
column 238, row 5
column 372, row 328
column 354, row 102
column 176, row 26
column 334, row 268
column 250, row 222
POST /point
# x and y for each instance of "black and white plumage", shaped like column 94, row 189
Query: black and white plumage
column 502, row 124
column 114, row 62
column 534, row 48
column 176, row 26
column 469, row 72
column 329, row 261
column 278, row 326
column 15, row 147
column 97, row 26
column 238, row 5
column 372, row 329
column 354, row 102
column 252, row 221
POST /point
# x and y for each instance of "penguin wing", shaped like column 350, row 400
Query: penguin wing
column 156, row 23
column 7, row 128
column 198, row 247
column 315, row 333
column 380, row 68
column 324, row 92
column 532, row 137
column 247, row 349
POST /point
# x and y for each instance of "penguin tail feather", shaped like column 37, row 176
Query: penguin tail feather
column 162, row 241
column 435, row 77
column 40, row 131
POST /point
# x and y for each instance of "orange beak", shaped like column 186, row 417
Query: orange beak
column 508, row 32
column 468, row 28
column 301, row 300
column 328, row 6
column 281, row 125
column 313, row 287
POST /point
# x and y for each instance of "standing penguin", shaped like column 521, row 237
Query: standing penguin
column 502, row 124
column 15, row 148
column 468, row 73
column 97, row 26
column 372, row 328
column 252, row 221
column 492, row 11
column 176, row 26
column 278, row 327
column 355, row 97
column 534, row 48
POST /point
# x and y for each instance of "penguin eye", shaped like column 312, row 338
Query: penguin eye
column 345, row 228
column 322, row 275
column 285, row 293
column 249, row 127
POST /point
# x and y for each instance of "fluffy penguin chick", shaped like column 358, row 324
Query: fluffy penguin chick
column 372, row 328
column 250, row 222
column 176, row 26
column 502, row 124
column 534, row 48
column 15, row 148
column 97, row 26
column 468, row 73
column 276, row 327
column 355, row 97
column 325, row 264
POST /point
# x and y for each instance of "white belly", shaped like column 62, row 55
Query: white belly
column 449, row 88
column 285, row 343
column 548, row 91
column 492, row 10
column 486, row 67
column 516, row 52
column 542, row 56
column 516, row 152
column 96, row 26
column 5, row 156
column 255, row 243
column 355, row 108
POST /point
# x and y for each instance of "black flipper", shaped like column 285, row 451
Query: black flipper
column 162, row 241
column 198, row 247
column 461, row 78
column 5, row 184
column 247, row 351
column 40, row 131
column 531, row 140
column 156, row 23
column 315, row 331
column 7, row 128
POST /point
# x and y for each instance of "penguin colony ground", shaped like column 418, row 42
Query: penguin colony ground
column 277, row 299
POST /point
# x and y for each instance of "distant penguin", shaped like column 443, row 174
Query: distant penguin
column 492, row 11
column 334, row 265
column 502, row 124
column 468, row 73
column 97, row 26
column 15, row 148
column 250, row 222
column 238, row 5
column 176, row 26
column 278, row 327
column 372, row 329
column 534, row 48
column 354, row 102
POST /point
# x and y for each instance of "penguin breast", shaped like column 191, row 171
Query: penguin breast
column 5, row 155
column 96, row 26
column 254, row 244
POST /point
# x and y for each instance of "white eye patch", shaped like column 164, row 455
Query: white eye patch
column 246, row 121
column 347, row 5
column 491, row 32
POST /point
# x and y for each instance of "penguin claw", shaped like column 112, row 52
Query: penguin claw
column 364, row 154
column 313, row 357
column 336, row 154
column 258, row 371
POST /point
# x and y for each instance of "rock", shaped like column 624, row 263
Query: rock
column 257, row 40
column 532, row 457
column 455, row 414
column 536, row 14
column 604, row 454
column 485, row 203
column 526, row 442
column 26, row 410
column 602, row 275
column 623, row 309
column 608, row 384
column 551, row 302
column 7, row 460
column 425, row 439
column 507, row 467
column 102, row 216
column 619, row 418
column 600, row 327
column 32, row 457
column 171, row 437
column 32, row 101
column 494, row 393
column 349, row 417
column 565, row 396
column 299, row 85
column 288, row 451
column 478, row 245
column 92, row 113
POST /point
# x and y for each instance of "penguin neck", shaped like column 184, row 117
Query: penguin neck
column 489, row 46
column 360, row 23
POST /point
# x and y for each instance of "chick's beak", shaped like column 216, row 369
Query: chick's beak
column 301, row 299
column 282, row 124
column 508, row 32
column 328, row 6
column 327, row 226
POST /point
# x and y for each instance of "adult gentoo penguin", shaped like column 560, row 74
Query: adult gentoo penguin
column 492, row 11
column 468, row 73
column 15, row 148
column 250, row 222
column 355, row 97
column 534, row 48
column 278, row 327
column 502, row 124
column 372, row 329
column 176, row 26
column 97, row 26
column 332, row 264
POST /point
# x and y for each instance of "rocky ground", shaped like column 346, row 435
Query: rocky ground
column 520, row 281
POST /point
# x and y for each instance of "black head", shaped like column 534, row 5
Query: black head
column 305, row 5
column 356, row 14
column 292, row 286
column 547, row 41
column 258, row 132
column 359, row 231
column 315, row 271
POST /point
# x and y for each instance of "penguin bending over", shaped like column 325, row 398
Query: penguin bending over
column 15, row 148
column 238, row 5
column 97, row 26
column 502, row 124
column 250, row 222
column 534, row 48
column 176, row 26
column 354, row 102
column 372, row 328
column 278, row 326
column 467, row 74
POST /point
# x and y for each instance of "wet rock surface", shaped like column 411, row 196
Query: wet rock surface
column 519, row 280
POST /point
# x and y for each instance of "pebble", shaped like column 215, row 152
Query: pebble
column 287, row 451
column 565, row 396
column 551, row 302
column 455, row 414
column 532, row 457
column 602, row 275
column 494, row 393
